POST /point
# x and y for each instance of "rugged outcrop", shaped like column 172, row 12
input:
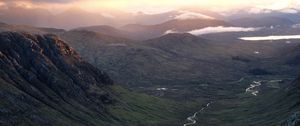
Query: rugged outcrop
column 45, row 82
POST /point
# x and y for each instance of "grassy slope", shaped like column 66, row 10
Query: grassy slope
column 267, row 109
column 8, row 105
column 133, row 110
column 143, row 110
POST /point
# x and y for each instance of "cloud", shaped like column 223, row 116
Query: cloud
column 220, row 29
column 289, row 10
column 162, row 5
column 259, row 10
column 170, row 31
column 107, row 15
column 2, row 4
column 43, row 1
column 191, row 15
column 264, row 38
column 54, row 1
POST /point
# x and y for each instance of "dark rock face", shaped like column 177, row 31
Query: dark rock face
column 241, row 59
column 293, row 56
column 295, row 86
column 45, row 82
column 295, row 61
column 258, row 71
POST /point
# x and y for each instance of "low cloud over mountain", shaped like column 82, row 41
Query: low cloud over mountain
column 265, row 38
column 219, row 29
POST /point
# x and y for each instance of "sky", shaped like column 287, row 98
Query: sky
column 157, row 6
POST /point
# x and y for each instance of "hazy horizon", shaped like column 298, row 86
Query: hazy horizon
column 152, row 6
column 70, row 14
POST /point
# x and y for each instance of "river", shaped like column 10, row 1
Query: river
column 192, row 119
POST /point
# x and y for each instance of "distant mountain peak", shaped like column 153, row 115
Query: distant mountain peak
column 2, row 23
column 191, row 15
column 179, row 35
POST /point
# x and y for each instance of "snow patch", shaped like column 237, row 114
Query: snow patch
column 170, row 31
column 161, row 89
column 184, row 15
column 256, row 52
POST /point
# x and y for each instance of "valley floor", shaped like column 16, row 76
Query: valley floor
column 249, row 101
column 269, row 106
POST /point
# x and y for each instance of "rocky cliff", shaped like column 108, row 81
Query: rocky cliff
column 45, row 82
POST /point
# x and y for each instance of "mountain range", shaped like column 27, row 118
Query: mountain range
column 68, row 19
column 149, row 70
column 45, row 82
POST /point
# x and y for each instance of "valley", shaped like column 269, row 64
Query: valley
column 235, row 77
column 235, row 82
column 75, row 63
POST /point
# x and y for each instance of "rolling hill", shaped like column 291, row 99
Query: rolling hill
column 262, row 21
column 143, row 32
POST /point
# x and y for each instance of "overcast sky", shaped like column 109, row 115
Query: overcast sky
column 157, row 6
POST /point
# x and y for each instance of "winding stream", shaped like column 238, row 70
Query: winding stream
column 253, row 90
column 192, row 119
